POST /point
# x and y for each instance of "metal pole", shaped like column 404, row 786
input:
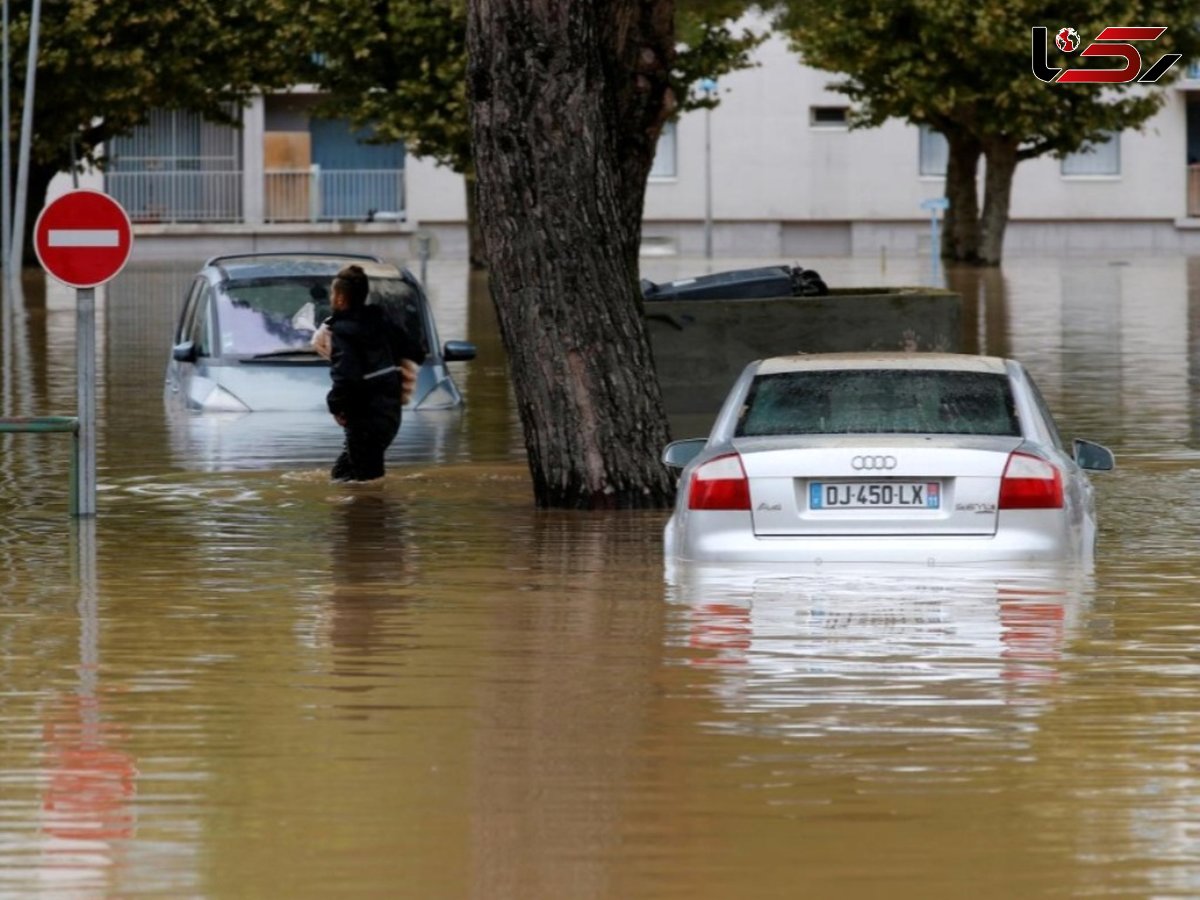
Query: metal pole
column 708, row 184
column 934, row 246
column 17, row 249
column 5, row 153
column 709, row 86
column 85, row 366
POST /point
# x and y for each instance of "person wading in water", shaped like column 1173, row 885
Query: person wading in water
column 367, row 356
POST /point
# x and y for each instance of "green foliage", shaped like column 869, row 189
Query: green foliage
column 964, row 65
column 103, row 65
column 710, row 44
column 399, row 67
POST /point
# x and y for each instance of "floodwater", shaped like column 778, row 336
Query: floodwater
column 241, row 681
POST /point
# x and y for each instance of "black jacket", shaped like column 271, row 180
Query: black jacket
column 366, row 347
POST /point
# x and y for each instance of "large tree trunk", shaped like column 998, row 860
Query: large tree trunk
column 960, row 236
column 1002, row 162
column 567, row 100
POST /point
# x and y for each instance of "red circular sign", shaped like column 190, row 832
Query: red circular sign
column 83, row 238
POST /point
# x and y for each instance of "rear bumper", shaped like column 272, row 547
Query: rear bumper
column 1033, row 536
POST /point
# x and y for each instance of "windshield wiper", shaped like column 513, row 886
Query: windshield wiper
column 295, row 351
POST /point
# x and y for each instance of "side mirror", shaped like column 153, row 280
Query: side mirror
column 185, row 352
column 678, row 454
column 458, row 351
column 1093, row 457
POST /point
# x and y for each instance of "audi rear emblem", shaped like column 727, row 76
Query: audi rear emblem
column 873, row 462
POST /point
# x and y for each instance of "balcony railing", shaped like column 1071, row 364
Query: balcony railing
column 318, row 195
column 178, row 196
column 1193, row 189
column 289, row 195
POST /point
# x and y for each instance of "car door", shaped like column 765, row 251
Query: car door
column 193, row 350
column 178, row 370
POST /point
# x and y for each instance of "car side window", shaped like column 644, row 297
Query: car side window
column 200, row 327
column 1044, row 410
column 188, row 313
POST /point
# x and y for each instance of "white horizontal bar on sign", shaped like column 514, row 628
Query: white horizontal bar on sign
column 84, row 237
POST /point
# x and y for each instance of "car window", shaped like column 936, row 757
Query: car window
column 874, row 401
column 188, row 313
column 269, row 315
column 403, row 308
column 1043, row 408
column 200, row 325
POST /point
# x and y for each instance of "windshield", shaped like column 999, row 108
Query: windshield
column 875, row 401
column 261, row 316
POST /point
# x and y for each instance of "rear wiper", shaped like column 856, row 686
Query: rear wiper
column 295, row 351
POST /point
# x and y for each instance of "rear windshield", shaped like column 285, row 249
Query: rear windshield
column 874, row 401
column 269, row 315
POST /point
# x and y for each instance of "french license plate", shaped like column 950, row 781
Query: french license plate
column 874, row 495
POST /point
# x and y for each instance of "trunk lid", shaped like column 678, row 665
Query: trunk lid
column 886, row 485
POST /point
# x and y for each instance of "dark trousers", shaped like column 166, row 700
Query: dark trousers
column 366, row 441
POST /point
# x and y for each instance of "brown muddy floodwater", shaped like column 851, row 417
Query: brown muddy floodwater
column 241, row 681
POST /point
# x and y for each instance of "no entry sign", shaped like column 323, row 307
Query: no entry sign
column 83, row 238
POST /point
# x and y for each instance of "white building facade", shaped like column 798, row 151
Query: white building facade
column 788, row 180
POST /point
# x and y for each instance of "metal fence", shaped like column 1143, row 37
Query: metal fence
column 178, row 196
column 316, row 194
column 178, row 167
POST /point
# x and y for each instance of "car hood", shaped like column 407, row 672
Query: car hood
column 275, row 387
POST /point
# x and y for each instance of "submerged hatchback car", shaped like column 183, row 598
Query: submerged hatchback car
column 937, row 459
column 242, row 342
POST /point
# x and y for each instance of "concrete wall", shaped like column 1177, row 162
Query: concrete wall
column 701, row 346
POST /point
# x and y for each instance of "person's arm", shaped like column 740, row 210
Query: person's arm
column 345, row 370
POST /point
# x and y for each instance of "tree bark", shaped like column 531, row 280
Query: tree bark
column 1002, row 159
column 567, row 100
column 960, row 235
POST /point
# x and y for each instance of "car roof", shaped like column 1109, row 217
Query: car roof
column 265, row 265
column 947, row 362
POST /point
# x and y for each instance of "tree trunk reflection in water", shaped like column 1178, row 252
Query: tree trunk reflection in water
column 566, row 717
column 985, row 307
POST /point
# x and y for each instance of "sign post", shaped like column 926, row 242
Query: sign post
column 83, row 239
column 934, row 205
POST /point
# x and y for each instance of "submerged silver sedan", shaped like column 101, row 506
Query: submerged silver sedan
column 928, row 458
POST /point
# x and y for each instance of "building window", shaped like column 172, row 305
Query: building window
column 828, row 116
column 664, row 154
column 1103, row 158
column 934, row 152
column 177, row 167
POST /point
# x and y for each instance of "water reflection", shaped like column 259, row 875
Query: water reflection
column 913, row 646
column 374, row 568
column 569, row 707
column 87, row 776
column 220, row 442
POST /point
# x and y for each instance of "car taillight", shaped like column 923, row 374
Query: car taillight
column 1030, row 483
column 720, row 484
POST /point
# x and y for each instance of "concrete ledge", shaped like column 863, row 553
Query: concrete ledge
column 157, row 242
column 700, row 346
